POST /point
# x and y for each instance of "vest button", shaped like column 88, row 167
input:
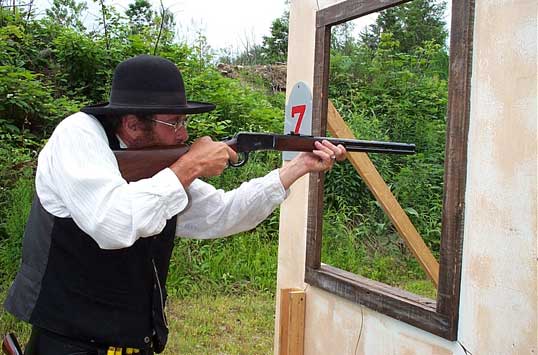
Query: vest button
column 146, row 340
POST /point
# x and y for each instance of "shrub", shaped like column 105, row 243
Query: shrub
column 385, row 94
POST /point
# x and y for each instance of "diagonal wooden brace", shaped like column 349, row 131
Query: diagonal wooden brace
column 366, row 169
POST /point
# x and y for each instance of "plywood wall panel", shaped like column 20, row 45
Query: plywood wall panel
column 499, row 299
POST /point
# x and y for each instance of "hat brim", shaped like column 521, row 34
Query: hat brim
column 191, row 107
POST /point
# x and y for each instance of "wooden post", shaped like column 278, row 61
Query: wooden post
column 386, row 199
column 292, row 321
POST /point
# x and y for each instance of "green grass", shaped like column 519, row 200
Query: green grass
column 13, row 220
column 8, row 323
column 245, row 262
column 383, row 257
column 399, row 271
column 222, row 324
column 420, row 287
column 204, row 324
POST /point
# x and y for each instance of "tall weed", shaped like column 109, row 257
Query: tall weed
column 15, row 214
column 362, row 245
column 231, row 265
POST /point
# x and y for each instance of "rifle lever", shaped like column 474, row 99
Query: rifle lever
column 243, row 158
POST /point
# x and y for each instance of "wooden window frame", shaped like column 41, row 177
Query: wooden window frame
column 439, row 317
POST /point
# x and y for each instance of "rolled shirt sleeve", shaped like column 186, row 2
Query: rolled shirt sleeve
column 215, row 213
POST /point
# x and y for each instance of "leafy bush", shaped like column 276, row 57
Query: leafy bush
column 386, row 94
column 26, row 103
column 83, row 67
column 238, row 107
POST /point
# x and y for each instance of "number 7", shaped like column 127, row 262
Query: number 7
column 299, row 109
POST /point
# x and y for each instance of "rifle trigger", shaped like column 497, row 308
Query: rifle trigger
column 243, row 158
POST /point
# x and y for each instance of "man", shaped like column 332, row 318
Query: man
column 96, row 249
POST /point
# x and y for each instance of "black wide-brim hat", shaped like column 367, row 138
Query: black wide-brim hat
column 147, row 85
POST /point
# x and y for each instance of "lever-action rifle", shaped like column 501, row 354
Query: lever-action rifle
column 143, row 163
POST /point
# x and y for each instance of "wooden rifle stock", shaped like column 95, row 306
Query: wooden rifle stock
column 10, row 345
column 137, row 164
column 144, row 163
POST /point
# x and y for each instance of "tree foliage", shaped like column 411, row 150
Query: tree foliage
column 411, row 24
column 49, row 69
column 275, row 47
column 140, row 15
column 67, row 13
column 386, row 93
column 390, row 83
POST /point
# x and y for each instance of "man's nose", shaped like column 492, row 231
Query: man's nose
column 182, row 134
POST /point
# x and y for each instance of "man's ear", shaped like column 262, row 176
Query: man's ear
column 130, row 123
column 129, row 130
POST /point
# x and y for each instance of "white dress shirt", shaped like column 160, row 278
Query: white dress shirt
column 77, row 177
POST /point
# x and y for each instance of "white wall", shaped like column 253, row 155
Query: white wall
column 499, row 298
column 499, row 282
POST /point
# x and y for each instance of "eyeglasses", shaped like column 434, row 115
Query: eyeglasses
column 181, row 122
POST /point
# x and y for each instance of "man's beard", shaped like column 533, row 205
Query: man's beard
column 148, row 139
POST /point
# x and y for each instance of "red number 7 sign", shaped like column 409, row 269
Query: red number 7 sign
column 299, row 109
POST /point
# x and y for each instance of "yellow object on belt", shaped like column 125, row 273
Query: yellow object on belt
column 118, row 351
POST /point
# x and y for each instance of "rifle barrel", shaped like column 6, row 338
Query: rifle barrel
column 306, row 143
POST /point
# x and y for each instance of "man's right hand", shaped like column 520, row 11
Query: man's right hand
column 205, row 158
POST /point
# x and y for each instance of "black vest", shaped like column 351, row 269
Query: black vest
column 68, row 285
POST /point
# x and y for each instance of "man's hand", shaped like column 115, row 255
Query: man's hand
column 205, row 158
column 321, row 159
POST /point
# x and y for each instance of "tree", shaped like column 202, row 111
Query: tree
column 275, row 47
column 251, row 53
column 140, row 15
column 342, row 39
column 165, row 24
column 202, row 49
column 411, row 24
column 67, row 13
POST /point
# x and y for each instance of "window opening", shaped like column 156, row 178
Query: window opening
column 439, row 313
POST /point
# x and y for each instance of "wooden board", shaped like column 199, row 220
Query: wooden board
column 332, row 15
column 397, row 303
column 284, row 321
column 296, row 322
column 292, row 321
